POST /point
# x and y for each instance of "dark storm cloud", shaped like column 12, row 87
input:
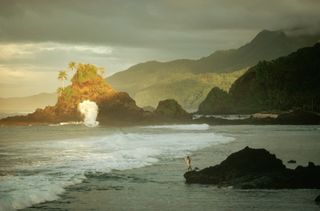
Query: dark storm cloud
column 39, row 37
column 150, row 24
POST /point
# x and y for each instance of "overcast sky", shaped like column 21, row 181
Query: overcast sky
column 40, row 37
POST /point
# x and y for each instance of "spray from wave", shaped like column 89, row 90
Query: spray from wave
column 89, row 110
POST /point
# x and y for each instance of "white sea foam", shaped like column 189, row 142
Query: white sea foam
column 227, row 117
column 89, row 110
column 181, row 127
column 47, row 167
column 66, row 123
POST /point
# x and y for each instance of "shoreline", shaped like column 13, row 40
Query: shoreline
column 161, row 186
column 293, row 117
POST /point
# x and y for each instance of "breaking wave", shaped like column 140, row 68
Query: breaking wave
column 48, row 167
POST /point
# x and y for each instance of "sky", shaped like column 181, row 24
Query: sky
column 40, row 37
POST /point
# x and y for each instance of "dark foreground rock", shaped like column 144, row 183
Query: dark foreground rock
column 256, row 169
column 317, row 199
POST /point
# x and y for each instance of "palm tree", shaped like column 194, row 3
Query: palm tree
column 62, row 76
column 72, row 66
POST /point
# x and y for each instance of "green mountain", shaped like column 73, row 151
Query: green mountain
column 189, row 81
column 188, row 89
column 285, row 83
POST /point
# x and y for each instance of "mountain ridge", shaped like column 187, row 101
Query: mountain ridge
column 152, row 81
column 140, row 80
column 289, row 82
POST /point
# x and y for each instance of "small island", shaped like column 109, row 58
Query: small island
column 114, row 108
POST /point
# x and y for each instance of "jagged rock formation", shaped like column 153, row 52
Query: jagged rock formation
column 256, row 169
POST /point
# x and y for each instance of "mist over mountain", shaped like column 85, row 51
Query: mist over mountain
column 189, row 81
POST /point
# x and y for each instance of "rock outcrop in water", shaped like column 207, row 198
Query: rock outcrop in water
column 115, row 108
column 170, row 109
column 256, row 169
column 86, row 84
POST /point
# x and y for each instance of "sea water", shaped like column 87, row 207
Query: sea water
column 37, row 163
column 161, row 186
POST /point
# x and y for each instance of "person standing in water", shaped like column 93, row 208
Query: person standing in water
column 188, row 162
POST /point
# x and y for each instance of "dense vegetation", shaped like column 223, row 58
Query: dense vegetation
column 189, row 81
column 114, row 108
column 188, row 89
column 285, row 83
column 87, row 84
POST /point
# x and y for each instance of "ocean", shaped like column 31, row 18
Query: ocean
column 73, row 167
